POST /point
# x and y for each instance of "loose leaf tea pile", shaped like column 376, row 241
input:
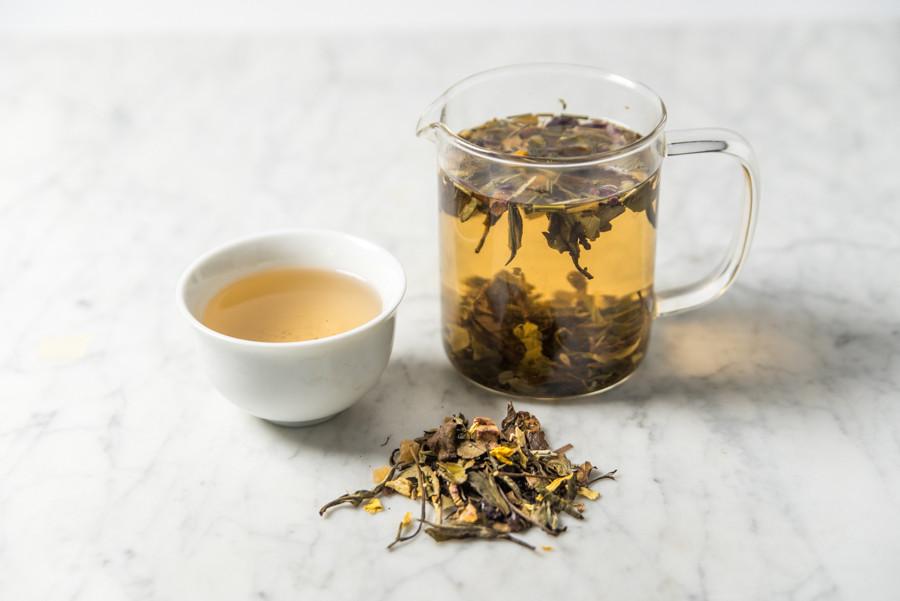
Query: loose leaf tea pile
column 506, row 336
column 482, row 481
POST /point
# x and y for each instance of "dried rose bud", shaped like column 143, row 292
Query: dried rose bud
column 485, row 431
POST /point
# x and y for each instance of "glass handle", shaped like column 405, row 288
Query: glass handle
column 697, row 141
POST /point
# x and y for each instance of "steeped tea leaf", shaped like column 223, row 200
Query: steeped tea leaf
column 515, row 232
column 579, row 205
column 571, row 344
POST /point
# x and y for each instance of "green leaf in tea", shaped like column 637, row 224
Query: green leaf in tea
column 483, row 481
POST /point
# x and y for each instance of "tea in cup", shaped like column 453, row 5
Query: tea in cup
column 294, row 326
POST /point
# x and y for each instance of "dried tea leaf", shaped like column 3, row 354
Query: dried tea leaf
column 409, row 451
column 404, row 524
column 453, row 472
column 486, row 487
column 470, row 449
column 517, row 484
column 583, row 473
column 443, row 440
column 607, row 476
column 403, row 486
column 464, row 531
column 430, row 483
column 356, row 498
column 519, row 437
column 528, row 424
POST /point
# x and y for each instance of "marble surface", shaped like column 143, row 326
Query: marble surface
column 759, row 446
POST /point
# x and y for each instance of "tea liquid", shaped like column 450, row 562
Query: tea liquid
column 546, row 274
column 291, row 304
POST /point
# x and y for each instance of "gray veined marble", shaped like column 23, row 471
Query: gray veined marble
column 758, row 447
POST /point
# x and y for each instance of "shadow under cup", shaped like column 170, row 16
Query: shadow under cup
column 304, row 382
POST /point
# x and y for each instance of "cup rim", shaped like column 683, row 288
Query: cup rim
column 546, row 162
column 387, row 311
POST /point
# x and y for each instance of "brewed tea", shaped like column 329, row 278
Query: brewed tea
column 547, row 272
column 291, row 304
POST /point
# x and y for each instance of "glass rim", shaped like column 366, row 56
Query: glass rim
column 585, row 160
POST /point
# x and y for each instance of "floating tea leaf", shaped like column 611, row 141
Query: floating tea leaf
column 515, row 232
column 481, row 494
column 579, row 205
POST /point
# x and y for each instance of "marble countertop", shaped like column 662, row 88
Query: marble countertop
column 758, row 447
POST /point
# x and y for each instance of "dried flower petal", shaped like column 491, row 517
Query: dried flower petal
column 380, row 473
column 483, row 430
column 503, row 454
column 586, row 492
column 468, row 514
column 556, row 483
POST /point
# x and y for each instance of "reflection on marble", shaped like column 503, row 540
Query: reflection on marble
column 759, row 446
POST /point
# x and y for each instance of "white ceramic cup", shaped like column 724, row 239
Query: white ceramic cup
column 295, row 383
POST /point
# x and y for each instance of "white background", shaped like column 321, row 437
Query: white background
column 89, row 16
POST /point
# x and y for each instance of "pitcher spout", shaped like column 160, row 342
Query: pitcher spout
column 432, row 120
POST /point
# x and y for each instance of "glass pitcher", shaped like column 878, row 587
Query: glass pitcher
column 548, row 181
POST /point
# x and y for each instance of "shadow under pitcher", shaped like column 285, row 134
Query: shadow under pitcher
column 548, row 180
